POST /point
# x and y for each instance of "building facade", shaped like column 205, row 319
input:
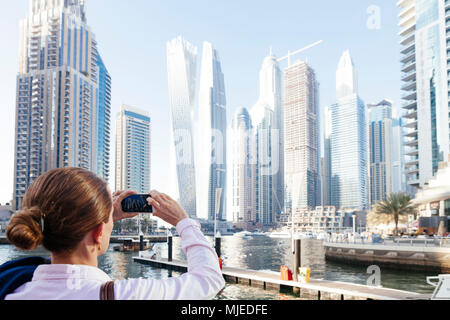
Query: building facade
column 433, row 202
column 57, row 94
column 181, row 67
column 380, row 147
column 326, row 162
column 425, row 85
column 349, row 145
column 241, row 171
column 302, row 138
column 133, row 150
column 103, row 126
column 267, row 118
column 211, row 161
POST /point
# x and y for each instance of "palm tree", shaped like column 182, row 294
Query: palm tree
column 396, row 205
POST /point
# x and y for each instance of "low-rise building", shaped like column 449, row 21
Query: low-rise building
column 433, row 201
column 6, row 212
column 325, row 219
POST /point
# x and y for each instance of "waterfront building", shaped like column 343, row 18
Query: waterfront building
column 58, row 96
column 433, row 202
column 6, row 212
column 241, row 171
column 425, row 85
column 133, row 161
column 211, row 161
column 320, row 219
column 181, row 68
column 349, row 145
column 267, row 118
column 302, row 145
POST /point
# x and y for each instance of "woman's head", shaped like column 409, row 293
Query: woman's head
column 69, row 202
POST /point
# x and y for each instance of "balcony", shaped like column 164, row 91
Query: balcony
column 410, row 105
column 410, row 86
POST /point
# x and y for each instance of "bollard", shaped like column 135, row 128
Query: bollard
column 218, row 246
column 169, row 243
column 297, row 262
column 141, row 242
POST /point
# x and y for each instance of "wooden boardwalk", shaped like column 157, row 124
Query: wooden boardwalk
column 315, row 289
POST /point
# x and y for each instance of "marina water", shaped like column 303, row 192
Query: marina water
column 258, row 253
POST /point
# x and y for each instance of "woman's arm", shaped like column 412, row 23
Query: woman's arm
column 204, row 278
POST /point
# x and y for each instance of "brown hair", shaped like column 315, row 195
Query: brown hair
column 70, row 201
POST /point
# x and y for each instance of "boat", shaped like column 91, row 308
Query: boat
column 441, row 284
column 258, row 234
column 131, row 245
column 243, row 235
column 322, row 236
column 280, row 234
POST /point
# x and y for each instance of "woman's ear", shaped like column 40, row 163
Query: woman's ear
column 97, row 233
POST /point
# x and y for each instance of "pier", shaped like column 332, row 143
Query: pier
column 402, row 256
column 315, row 289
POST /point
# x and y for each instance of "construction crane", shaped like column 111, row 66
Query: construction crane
column 290, row 54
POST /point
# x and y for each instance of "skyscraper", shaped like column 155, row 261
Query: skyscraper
column 211, row 162
column 398, row 157
column 133, row 150
column 349, row 146
column 302, row 145
column 103, row 126
column 381, row 148
column 241, row 170
column 181, row 67
column 326, row 167
column 426, row 85
column 58, row 99
column 267, row 117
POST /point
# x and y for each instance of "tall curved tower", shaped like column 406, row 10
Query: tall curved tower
column 181, row 67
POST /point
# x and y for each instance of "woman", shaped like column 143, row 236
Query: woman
column 71, row 213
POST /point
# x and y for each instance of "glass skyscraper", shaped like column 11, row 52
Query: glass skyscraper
column 181, row 67
column 133, row 150
column 267, row 118
column 381, row 142
column 425, row 85
column 241, row 170
column 349, row 145
column 211, row 160
column 103, row 127
column 57, row 106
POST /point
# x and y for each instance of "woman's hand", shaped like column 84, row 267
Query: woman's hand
column 118, row 214
column 166, row 208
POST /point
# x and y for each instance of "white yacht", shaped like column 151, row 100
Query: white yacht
column 280, row 234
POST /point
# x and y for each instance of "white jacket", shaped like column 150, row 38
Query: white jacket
column 79, row 282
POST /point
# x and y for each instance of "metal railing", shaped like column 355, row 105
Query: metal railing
column 405, row 242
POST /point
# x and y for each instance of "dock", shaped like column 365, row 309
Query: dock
column 433, row 259
column 315, row 289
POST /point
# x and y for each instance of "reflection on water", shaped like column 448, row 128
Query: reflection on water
column 258, row 253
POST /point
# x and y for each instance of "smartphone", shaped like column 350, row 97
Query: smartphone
column 136, row 203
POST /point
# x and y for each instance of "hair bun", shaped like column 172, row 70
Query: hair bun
column 24, row 230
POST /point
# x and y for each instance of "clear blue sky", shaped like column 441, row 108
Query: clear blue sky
column 132, row 38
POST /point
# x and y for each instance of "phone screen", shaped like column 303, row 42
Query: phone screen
column 136, row 203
